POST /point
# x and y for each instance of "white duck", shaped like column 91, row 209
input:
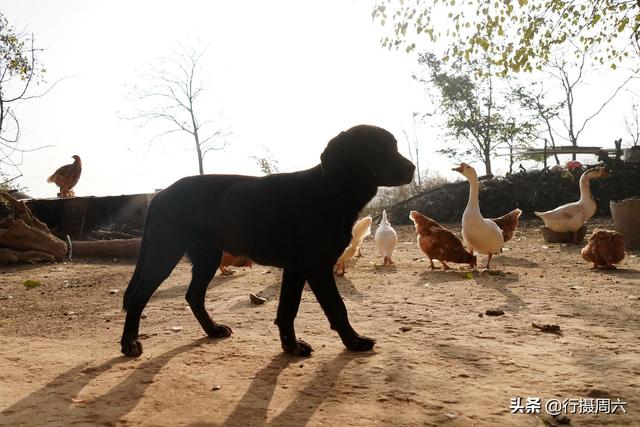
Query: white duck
column 360, row 230
column 571, row 216
column 480, row 234
column 386, row 239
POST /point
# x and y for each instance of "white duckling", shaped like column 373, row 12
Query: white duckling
column 386, row 239
column 360, row 230
column 480, row 234
column 571, row 216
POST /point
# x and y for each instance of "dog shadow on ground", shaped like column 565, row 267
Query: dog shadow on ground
column 59, row 399
column 252, row 409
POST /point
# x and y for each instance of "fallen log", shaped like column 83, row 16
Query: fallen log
column 119, row 248
column 9, row 256
column 22, row 237
column 25, row 238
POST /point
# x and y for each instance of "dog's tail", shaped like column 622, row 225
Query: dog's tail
column 137, row 272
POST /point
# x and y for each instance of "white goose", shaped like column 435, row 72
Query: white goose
column 480, row 234
column 571, row 216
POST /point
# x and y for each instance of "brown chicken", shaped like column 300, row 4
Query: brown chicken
column 605, row 248
column 66, row 177
column 508, row 223
column 232, row 260
column 439, row 243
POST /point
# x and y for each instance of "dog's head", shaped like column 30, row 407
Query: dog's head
column 366, row 154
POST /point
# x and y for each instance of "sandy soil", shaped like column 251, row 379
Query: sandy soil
column 437, row 362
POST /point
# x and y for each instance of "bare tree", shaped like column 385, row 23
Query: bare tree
column 632, row 124
column 535, row 101
column 19, row 72
column 570, row 76
column 414, row 154
column 172, row 96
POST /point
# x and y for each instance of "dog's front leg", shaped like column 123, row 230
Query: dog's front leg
column 324, row 288
column 290, row 295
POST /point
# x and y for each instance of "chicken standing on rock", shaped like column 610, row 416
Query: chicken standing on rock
column 386, row 239
column 439, row 243
column 508, row 223
column 605, row 248
column 360, row 230
column 67, row 176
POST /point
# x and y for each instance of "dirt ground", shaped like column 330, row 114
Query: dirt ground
column 436, row 362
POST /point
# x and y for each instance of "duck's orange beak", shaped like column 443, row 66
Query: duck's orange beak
column 458, row 169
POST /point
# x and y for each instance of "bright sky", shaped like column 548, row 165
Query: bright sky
column 288, row 75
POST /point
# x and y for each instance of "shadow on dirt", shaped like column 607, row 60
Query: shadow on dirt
column 59, row 398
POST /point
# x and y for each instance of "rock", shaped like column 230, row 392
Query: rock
column 176, row 328
column 557, row 237
column 552, row 329
column 113, row 291
column 257, row 300
column 216, row 387
column 405, row 328
column 494, row 312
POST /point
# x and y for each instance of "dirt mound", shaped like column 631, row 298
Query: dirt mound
column 529, row 191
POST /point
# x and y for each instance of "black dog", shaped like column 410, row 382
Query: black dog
column 269, row 220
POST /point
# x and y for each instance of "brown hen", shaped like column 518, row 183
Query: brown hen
column 508, row 223
column 67, row 176
column 439, row 243
column 605, row 248
column 232, row 260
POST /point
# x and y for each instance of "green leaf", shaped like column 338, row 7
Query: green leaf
column 31, row 283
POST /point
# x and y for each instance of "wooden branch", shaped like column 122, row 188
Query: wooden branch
column 121, row 248
column 9, row 256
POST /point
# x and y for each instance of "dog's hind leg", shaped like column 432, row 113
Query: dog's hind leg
column 160, row 258
column 324, row 287
column 205, row 260
column 290, row 295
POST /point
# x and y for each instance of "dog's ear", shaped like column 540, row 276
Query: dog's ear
column 334, row 159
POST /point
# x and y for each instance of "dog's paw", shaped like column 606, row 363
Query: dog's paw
column 132, row 348
column 219, row 331
column 301, row 349
column 360, row 343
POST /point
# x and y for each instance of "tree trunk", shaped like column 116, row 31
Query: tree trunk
column 487, row 162
column 121, row 248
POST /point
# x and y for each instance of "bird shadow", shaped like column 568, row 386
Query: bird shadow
column 180, row 290
column 444, row 276
column 382, row 269
column 60, row 396
column 508, row 261
column 488, row 280
column 623, row 273
column 348, row 289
